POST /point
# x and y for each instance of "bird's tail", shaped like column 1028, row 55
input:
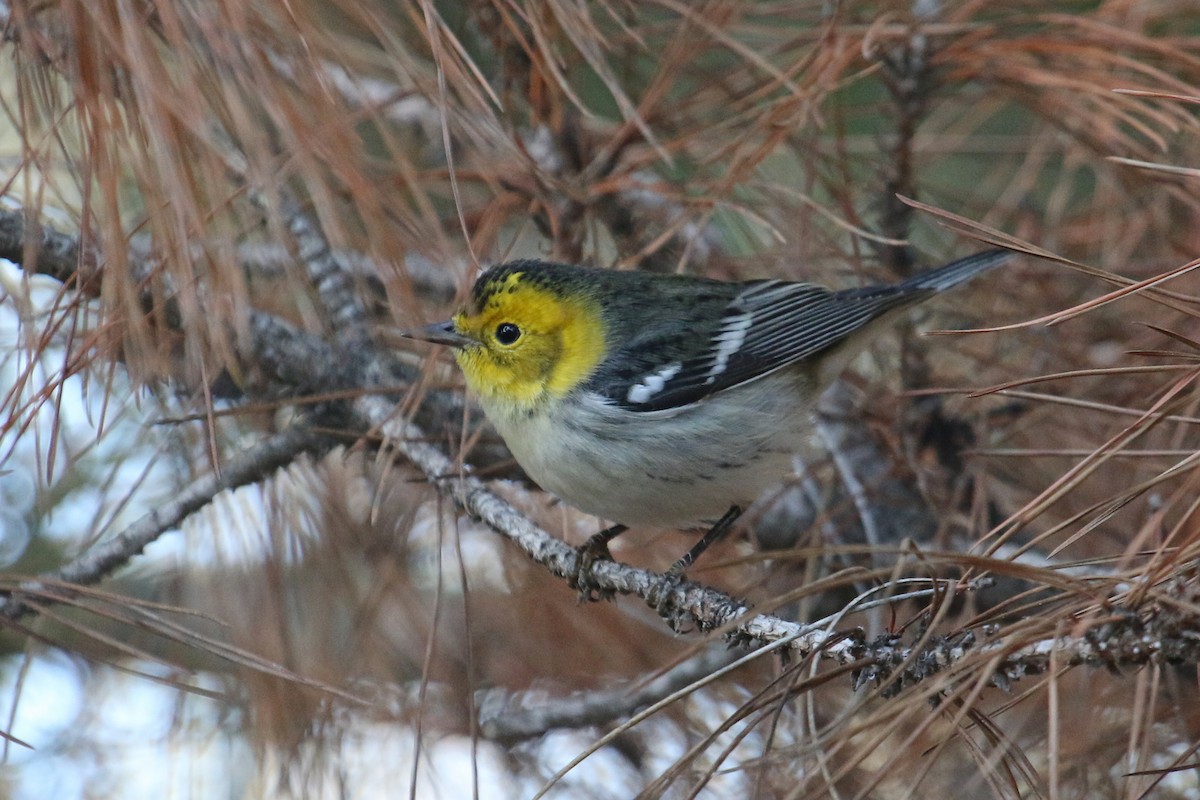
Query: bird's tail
column 954, row 273
column 873, row 307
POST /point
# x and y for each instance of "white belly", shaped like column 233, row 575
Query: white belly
column 681, row 468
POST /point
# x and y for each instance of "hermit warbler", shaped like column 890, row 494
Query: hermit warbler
column 663, row 400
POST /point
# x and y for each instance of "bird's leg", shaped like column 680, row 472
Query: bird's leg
column 714, row 534
column 593, row 550
column 674, row 576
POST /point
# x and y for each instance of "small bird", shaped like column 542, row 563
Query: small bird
column 663, row 400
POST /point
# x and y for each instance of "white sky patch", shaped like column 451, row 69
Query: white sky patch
column 101, row 732
column 729, row 341
column 653, row 383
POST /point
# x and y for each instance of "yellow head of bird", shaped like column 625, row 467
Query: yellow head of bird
column 521, row 343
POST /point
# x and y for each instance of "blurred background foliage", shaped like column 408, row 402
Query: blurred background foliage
column 188, row 145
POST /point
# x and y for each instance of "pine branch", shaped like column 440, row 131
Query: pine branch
column 112, row 554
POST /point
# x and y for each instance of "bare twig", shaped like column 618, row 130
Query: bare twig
column 507, row 724
column 102, row 560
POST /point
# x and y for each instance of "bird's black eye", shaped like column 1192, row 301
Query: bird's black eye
column 507, row 333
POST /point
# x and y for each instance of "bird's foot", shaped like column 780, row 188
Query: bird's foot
column 587, row 555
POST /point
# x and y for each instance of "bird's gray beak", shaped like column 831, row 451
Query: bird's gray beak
column 439, row 333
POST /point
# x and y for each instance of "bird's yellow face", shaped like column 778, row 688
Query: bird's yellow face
column 525, row 344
